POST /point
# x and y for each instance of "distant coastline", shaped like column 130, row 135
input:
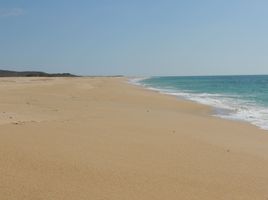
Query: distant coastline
column 8, row 73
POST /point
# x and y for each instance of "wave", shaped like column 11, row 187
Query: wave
column 137, row 80
column 232, row 107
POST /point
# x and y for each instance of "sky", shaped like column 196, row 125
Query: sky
column 135, row 38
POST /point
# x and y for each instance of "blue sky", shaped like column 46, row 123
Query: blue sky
column 138, row 37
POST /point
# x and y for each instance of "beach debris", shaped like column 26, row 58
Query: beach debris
column 19, row 123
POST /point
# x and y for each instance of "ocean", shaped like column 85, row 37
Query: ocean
column 242, row 98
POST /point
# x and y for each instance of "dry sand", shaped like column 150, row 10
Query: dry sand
column 102, row 139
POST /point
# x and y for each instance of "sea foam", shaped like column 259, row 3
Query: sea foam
column 227, row 106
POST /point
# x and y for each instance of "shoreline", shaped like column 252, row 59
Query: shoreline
column 216, row 111
column 103, row 138
column 212, row 110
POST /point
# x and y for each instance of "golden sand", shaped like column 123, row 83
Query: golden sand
column 103, row 139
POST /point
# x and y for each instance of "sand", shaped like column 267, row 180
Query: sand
column 103, row 139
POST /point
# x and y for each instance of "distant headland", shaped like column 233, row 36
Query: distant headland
column 7, row 73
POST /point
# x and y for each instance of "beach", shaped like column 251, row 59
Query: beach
column 102, row 138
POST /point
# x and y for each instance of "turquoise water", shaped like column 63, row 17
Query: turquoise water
column 234, row 97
